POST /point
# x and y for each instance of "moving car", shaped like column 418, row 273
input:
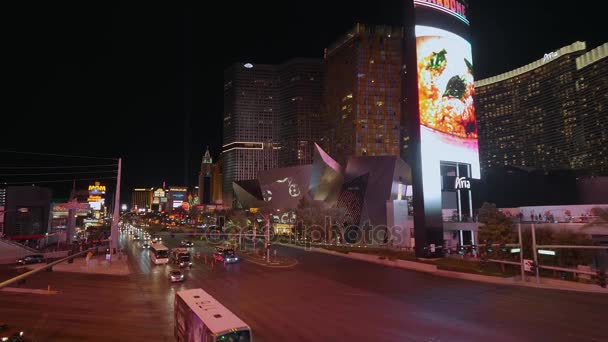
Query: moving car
column 10, row 334
column 187, row 243
column 226, row 255
column 31, row 259
column 145, row 245
column 176, row 276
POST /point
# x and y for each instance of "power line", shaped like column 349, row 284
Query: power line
column 55, row 155
column 59, row 181
column 56, row 173
column 54, row 167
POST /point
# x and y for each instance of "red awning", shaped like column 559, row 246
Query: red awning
column 26, row 237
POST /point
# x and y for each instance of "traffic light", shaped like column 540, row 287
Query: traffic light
column 460, row 250
column 601, row 278
column 503, row 248
column 474, row 249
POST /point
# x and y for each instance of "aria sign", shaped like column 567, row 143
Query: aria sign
column 549, row 56
column 462, row 183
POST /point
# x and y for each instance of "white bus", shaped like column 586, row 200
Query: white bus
column 159, row 253
column 201, row 318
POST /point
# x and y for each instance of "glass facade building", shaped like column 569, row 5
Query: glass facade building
column 547, row 114
column 362, row 93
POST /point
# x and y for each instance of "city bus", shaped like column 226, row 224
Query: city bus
column 159, row 253
column 181, row 257
column 199, row 317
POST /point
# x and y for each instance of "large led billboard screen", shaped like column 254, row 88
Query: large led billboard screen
column 443, row 118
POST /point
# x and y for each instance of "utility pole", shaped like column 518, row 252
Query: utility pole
column 116, row 214
column 536, row 268
column 268, row 240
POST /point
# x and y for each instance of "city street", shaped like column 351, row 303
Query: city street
column 322, row 298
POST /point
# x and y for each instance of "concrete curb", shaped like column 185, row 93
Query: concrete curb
column 432, row 269
column 26, row 290
column 253, row 261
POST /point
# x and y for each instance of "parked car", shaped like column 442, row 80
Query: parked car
column 31, row 259
column 176, row 276
column 226, row 255
column 10, row 334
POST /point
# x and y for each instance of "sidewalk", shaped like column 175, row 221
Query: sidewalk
column 545, row 283
column 96, row 265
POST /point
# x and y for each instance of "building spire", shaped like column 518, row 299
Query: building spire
column 207, row 157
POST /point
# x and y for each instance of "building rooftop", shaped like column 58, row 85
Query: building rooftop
column 574, row 47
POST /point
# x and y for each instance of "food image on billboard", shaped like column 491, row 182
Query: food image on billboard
column 445, row 82
column 445, row 95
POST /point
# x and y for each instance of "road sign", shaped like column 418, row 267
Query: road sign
column 528, row 265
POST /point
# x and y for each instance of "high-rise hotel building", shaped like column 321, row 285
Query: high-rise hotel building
column 362, row 92
column 550, row 114
column 250, row 123
column 591, row 148
column 272, row 118
column 300, row 123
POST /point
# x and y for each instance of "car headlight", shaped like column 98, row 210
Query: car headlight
column 21, row 333
column 5, row 339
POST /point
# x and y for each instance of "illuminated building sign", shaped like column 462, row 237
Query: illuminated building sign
column 462, row 183
column 178, row 189
column 159, row 193
column 549, row 56
column 453, row 7
column 94, row 198
column 97, row 189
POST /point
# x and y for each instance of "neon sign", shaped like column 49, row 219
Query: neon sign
column 453, row 7
column 97, row 189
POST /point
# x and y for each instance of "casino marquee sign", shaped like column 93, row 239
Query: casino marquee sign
column 453, row 7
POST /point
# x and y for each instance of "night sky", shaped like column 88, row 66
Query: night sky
column 118, row 79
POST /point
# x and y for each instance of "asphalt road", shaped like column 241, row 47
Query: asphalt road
column 323, row 298
column 332, row 298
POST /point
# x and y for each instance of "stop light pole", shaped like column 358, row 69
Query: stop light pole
column 116, row 214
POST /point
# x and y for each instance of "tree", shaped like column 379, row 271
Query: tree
column 601, row 218
column 496, row 229
column 310, row 217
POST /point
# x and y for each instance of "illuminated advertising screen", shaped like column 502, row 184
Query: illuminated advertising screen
column 444, row 112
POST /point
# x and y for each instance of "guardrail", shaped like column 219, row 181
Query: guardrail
column 43, row 268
